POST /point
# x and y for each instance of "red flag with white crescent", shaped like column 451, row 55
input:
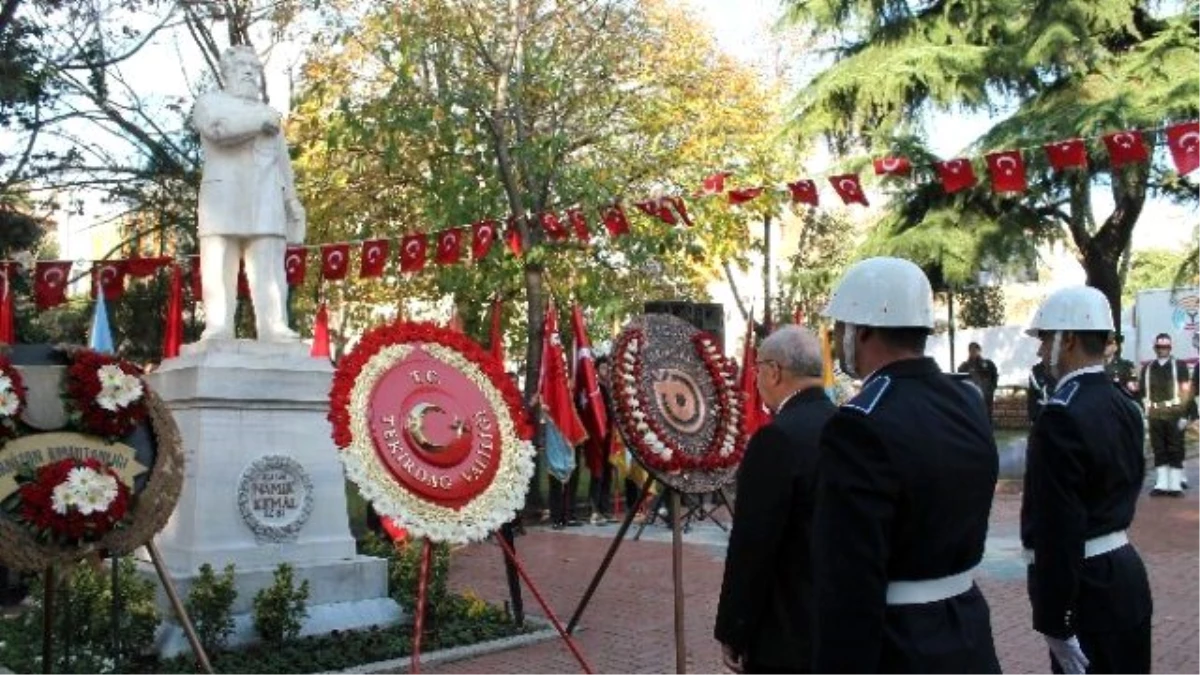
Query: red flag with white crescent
column 373, row 258
column 743, row 195
column 144, row 267
column 449, row 246
column 8, row 333
column 1183, row 140
column 1008, row 171
column 615, row 221
column 50, row 283
column 578, row 224
column 512, row 237
column 714, row 184
column 1125, row 147
column 804, row 192
column 173, row 321
column 892, row 166
column 320, row 343
column 587, row 394
column 483, row 237
column 553, row 385
column 555, row 230
column 335, row 261
column 295, row 264
column 1066, row 154
column 956, row 174
column 656, row 208
column 412, row 252
column 108, row 276
column 849, row 188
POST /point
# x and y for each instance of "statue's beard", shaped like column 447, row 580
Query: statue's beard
column 245, row 90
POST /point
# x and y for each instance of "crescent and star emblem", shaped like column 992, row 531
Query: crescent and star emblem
column 1007, row 161
column 1190, row 141
column 293, row 262
column 485, row 235
column 412, row 249
column 108, row 273
column 848, row 186
column 416, row 428
column 1123, row 140
column 52, row 276
column 449, row 241
column 374, row 253
column 890, row 164
column 335, row 259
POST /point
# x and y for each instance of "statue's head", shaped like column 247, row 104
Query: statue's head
column 241, row 72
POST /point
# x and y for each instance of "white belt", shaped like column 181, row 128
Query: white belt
column 1094, row 547
column 929, row 590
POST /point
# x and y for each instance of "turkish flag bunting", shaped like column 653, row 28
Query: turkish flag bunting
column 8, row 333
column 1183, row 140
column 194, row 272
column 373, row 258
column 849, row 188
column 412, row 252
column 1125, row 147
column 657, row 208
column 714, row 184
column 743, row 195
column 615, row 221
column 512, row 237
column 108, row 276
column 677, row 202
column 956, row 174
column 449, row 246
column 483, row 237
column 804, row 192
column 173, row 321
column 335, row 261
column 295, row 264
column 590, row 401
column 1008, row 171
column 579, row 224
column 145, row 267
column 893, row 166
column 554, row 386
column 50, row 282
column 1066, row 154
column 555, row 230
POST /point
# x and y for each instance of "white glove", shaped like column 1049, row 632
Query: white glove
column 1069, row 654
column 1183, row 422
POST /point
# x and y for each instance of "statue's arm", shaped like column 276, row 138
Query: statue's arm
column 224, row 124
column 297, row 218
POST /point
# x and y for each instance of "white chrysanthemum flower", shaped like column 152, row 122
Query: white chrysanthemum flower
column 61, row 499
column 9, row 402
column 5, row 383
column 110, row 376
column 99, row 495
column 107, row 402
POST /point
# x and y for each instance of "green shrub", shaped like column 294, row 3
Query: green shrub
column 404, row 568
column 210, row 606
column 280, row 609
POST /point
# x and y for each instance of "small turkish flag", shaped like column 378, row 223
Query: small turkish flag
column 483, row 237
column 804, row 192
column 449, row 246
column 714, row 184
column 743, row 195
column 555, row 230
column 512, row 237
column 373, row 258
column 893, row 166
column 295, row 264
column 956, row 174
column 1125, row 147
column 1183, row 140
column 144, row 267
column 335, row 261
column 1008, row 171
column 615, row 221
column 849, row 189
column 579, row 224
column 412, row 252
column 50, row 282
column 1066, row 154
column 109, row 277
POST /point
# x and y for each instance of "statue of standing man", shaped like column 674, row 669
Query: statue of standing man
column 248, row 205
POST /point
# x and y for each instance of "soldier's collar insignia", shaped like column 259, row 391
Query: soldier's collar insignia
column 872, row 392
column 1064, row 394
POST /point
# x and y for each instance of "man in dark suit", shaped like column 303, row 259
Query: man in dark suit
column 907, row 472
column 1085, row 466
column 764, row 617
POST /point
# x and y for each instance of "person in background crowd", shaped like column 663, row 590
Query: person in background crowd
column 764, row 621
column 1120, row 370
column 982, row 372
column 1085, row 466
column 1039, row 389
column 600, row 487
column 1165, row 390
column 905, row 480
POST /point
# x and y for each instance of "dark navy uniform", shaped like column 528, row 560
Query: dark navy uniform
column 1084, row 471
column 904, row 487
column 1039, row 390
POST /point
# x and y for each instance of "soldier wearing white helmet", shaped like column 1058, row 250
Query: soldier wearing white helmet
column 904, row 488
column 1084, row 471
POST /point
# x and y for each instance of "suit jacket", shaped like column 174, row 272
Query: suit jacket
column 247, row 187
column 766, row 596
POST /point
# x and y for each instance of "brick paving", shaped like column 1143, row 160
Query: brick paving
column 628, row 628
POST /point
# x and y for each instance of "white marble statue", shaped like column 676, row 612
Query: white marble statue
column 248, row 205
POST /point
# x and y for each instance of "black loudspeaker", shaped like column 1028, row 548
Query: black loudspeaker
column 707, row 316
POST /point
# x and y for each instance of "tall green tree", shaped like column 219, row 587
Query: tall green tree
column 1046, row 70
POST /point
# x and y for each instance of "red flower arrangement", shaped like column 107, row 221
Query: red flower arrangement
column 104, row 395
column 71, row 501
column 655, row 447
column 12, row 399
column 402, row 332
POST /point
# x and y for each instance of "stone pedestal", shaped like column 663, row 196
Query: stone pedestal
column 264, row 485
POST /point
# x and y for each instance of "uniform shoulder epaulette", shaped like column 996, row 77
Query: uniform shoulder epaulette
column 871, row 394
column 1063, row 395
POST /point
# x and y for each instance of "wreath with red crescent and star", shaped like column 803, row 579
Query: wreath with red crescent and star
column 432, row 431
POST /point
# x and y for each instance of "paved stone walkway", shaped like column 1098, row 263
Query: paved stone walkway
column 628, row 627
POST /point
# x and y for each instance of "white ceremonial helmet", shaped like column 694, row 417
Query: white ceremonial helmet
column 1073, row 308
column 880, row 292
column 883, row 292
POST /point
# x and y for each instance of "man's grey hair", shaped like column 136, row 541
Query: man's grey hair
column 795, row 349
column 237, row 53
